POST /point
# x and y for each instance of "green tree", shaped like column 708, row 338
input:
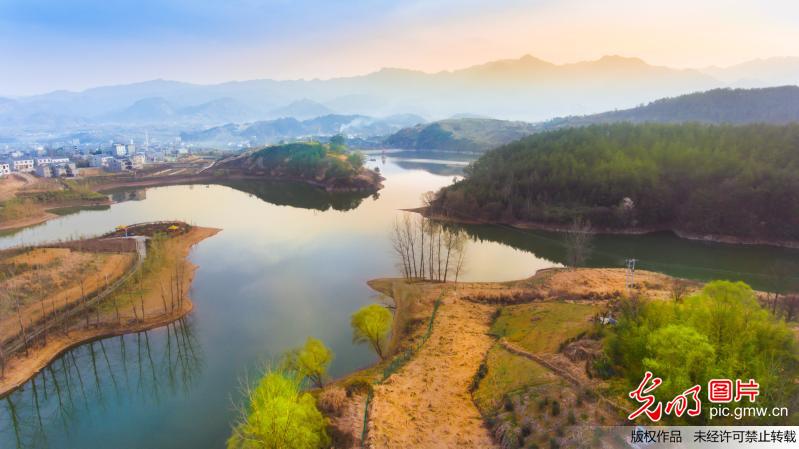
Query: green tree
column 678, row 354
column 338, row 141
column 371, row 324
column 310, row 361
column 720, row 332
column 280, row 416
column 356, row 159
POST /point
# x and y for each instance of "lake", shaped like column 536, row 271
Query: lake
column 291, row 262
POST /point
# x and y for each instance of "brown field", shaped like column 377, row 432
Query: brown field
column 155, row 296
column 43, row 280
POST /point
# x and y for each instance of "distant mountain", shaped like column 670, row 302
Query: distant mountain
column 465, row 134
column 774, row 105
column 152, row 110
column 758, row 73
column 527, row 89
column 221, row 110
column 301, row 110
column 272, row 131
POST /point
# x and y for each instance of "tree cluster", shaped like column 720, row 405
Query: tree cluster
column 727, row 180
column 721, row 332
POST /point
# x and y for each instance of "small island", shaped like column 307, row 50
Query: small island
column 327, row 166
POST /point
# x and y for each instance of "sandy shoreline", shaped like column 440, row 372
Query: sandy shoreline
column 20, row 369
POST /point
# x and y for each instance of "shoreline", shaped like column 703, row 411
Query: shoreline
column 43, row 214
column 213, row 179
column 105, row 187
column 526, row 225
column 20, row 369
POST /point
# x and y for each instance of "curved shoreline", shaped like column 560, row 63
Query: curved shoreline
column 527, row 225
column 213, row 179
column 22, row 368
column 104, row 187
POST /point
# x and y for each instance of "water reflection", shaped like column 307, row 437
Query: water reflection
column 296, row 194
column 122, row 195
column 662, row 252
column 96, row 374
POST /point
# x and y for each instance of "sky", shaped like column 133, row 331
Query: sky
column 48, row 45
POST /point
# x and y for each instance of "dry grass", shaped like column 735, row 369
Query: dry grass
column 332, row 400
column 540, row 327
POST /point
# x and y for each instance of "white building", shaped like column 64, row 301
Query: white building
column 5, row 169
column 44, row 171
column 138, row 160
column 43, row 161
column 119, row 150
column 99, row 160
column 119, row 165
column 59, row 160
column 56, row 170
column 22, row 165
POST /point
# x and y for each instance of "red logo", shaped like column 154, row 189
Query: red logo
column 688, row 402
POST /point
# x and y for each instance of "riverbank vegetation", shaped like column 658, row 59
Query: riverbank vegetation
column 736, row 181
column 721, row 332
column 280, row 415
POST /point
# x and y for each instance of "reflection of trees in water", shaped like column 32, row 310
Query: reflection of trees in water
column 430, row 167
column 122, row 195
column 297, row 194
column 662, row 252
column 116, row 368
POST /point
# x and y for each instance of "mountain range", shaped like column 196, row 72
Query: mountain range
column 772, row 105
column 527, row 88
column 266, row 132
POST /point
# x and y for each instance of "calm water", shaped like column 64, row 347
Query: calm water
column 290, row 262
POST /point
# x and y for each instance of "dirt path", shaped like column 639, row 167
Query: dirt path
column 427, row 403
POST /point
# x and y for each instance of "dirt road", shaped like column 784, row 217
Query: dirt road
column 427, row 404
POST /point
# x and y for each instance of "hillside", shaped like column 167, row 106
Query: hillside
column 737, row 182
column 464, row 134
column 321, row 165
column 267, row 132
column 775, row 105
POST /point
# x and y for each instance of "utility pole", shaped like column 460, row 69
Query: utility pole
column 630, row 274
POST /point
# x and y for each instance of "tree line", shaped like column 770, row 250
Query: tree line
column 738, row 181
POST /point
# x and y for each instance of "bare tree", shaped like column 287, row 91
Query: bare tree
column 679, row 288
column 579, row 242
column 440, row 249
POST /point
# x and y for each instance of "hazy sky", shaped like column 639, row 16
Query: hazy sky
column 74, row 44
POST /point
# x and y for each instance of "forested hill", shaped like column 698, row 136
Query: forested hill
column 739, row 181
column 463, row 134
column 324, row 165
column 774, row 105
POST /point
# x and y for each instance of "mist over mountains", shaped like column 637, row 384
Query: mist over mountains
column 528, row 89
